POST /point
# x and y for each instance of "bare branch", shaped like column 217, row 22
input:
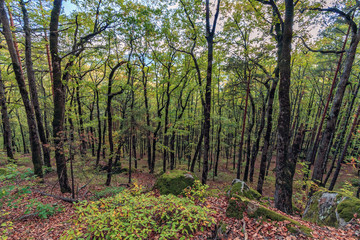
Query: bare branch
column 319, row 50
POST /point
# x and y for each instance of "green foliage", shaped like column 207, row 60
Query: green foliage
column 11, row 172
column 10, row 194
column 131, row 215
column 107, row 192
column 347, row 189
column 196, row 192
column 5, row 227
column 42, row 210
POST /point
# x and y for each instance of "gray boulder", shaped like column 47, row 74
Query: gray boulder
column 331, row 209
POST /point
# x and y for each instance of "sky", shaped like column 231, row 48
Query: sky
column 68, row 7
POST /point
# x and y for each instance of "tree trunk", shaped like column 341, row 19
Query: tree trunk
column 248, row 150
column 210, row 33
column 59, row 99
column 343, row 153
column 257, row 142
column 335, row 109
column 33, row 132
column 32, row 86
column 5, row 122
column 284, row 166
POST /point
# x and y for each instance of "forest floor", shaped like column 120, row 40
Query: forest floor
column 30, row 226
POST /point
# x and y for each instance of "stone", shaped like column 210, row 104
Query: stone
column 174, row 182
column 331, row 208
column 242, row 189
column 238, row 205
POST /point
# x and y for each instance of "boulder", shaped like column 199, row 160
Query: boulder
column 331, row 208
column 174, row 182
column 240, row 188
column 238, row 205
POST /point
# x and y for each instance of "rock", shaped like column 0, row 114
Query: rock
column 331, row 208
column 240, row 204
column 174, row 182
column 242, row 189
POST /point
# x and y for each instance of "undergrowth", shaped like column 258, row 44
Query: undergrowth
column 132, row 215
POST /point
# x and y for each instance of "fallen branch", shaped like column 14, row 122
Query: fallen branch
column 26, row 216
column 69, row 200
column 244, row 230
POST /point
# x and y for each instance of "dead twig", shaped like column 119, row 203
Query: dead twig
column 70, row 200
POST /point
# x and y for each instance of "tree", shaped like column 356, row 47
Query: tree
column 5, row 121
column 33, row 131
column 210, row 34
column 59, row 99
column 32, row 85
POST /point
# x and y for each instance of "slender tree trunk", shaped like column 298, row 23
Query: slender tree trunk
column 257, row 142
column 98, row 152
column 32, row 86
column 25, row 149
column 342, row 134
column 218, row 144
column 251, row 125
column 335, row 109
column 243, row 128
column 33, row 131
column 5, row 122
column 344, row 151
column 81, row 121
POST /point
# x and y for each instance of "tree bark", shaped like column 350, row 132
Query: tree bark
column 335, row 109
column 284, row 166
column 344, row 151
column 59, row 99
column 33, row 131
column 32, row 86
column 5, row 121
column 210, row 33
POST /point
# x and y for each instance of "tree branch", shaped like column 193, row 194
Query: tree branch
column 319, row 50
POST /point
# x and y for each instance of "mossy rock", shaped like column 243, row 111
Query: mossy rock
column 240, row 188
column 174, row 182
column 331, row 208
column 240, row 204
column 347, row 208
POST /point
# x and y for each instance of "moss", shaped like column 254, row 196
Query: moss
column 348, row 208
column 238, row 204
column 312, row 214
column 235, row 209
column 223, row 227
column 173, row 182
column 243, row 190
column 274, row 216
column 342, row 210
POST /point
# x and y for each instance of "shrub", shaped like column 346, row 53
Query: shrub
column 42, row 210
column 197, row 192
column 107, row 192
column 130, row 215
